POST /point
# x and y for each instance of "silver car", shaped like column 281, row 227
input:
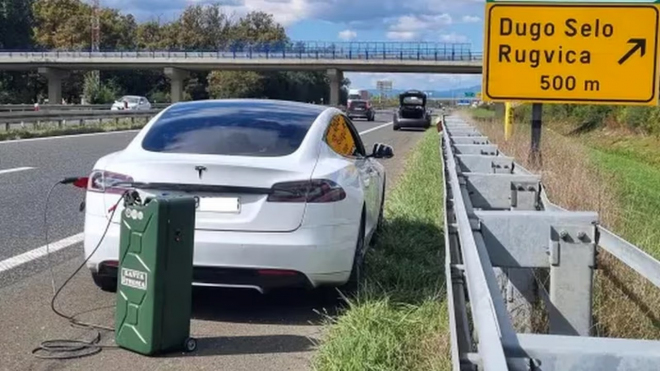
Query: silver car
column 131, row 102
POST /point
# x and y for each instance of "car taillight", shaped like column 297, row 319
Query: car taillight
column 108, row 182
column 312, row 191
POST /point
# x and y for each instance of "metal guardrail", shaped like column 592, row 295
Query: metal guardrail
column 292, row 50
column 500, row 229
column 65, row 107
column 35, row 117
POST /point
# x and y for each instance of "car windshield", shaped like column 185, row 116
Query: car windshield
column 413, row 100
column 232, row 128
column 129, row 99
column 354, row 96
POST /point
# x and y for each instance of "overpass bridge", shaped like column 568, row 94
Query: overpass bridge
column 334, row 58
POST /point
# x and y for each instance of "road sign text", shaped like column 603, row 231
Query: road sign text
column 598, row 53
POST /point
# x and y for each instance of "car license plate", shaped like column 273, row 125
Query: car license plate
column 219, row 204
column 359, row 108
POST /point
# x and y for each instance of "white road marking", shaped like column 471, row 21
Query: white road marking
column 16, row 169
column 374, row 129
column 39, row 252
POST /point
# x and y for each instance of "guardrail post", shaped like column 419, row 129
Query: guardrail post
column 572, row 259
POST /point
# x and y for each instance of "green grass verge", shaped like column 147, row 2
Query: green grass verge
column 399, row 319
column 53, row 131
column 482, row 113
column 637, row 184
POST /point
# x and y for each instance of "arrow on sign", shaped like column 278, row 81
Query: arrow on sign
column 638, row 44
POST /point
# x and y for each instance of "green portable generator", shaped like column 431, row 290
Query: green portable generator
column 154, row 283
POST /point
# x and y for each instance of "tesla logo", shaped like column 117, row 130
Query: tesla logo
column 200, row 170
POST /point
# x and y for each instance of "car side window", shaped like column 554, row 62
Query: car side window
column 342, row 137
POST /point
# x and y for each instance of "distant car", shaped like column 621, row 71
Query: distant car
column 131, row 102
column 412, row 111
column 361, row 108
column 298, row 197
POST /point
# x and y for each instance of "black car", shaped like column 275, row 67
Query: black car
column 360, row 108
column 412, row 111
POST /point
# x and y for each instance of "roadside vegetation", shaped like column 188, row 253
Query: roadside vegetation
column 45, row 130
column 603, row 164
column 64, row 25
column 398, row 320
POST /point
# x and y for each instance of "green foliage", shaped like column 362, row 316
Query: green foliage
column 399, row 319
column 589, row 117
column 96, row 92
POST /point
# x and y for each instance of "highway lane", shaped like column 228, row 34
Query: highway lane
column 237, row 330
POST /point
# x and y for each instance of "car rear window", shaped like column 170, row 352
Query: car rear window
column 412, row 100
column 263, row 129
column 129, row 99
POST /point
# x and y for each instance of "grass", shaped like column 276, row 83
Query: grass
column 586, row 172
column 482, row 113
column 399, row 319
column 51, row 131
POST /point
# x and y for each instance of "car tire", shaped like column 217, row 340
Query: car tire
column 105, row 283
column 381, row 219
column 351, row 286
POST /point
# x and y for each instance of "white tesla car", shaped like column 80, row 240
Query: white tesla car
column 302, row 196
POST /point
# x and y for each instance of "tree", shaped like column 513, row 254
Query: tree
column 62, row 24
column 235, row 84
column 15, row 24
column 96, row 92
column 65, row 24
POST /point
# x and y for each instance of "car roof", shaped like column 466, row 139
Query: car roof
column 413, row 93
column 250, row 105
column 297, row 113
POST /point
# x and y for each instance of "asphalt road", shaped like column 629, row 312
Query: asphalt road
column 237, row 330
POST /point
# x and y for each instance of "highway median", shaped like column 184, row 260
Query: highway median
column 53, row 130
column 398, row 320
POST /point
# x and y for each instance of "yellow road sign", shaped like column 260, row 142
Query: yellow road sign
column 571, row 53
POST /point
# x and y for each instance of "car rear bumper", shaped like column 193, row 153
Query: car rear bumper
column 366, row 113
column 308, row 257
column 404, row 122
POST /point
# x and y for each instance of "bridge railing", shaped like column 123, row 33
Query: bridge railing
column 300, row 50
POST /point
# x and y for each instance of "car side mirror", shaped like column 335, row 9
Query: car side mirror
column 382, row 151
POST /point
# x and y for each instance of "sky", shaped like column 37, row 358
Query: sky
column 438, row 21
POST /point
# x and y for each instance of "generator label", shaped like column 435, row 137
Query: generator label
column 134, row 279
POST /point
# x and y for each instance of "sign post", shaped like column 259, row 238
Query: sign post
column 508, row 120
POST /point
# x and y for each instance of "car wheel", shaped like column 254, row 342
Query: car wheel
column 351, row 286
column 105, row 283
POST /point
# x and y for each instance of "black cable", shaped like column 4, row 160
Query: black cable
column 62, row 348
column 50, row 265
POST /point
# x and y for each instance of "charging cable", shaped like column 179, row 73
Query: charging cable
column 64, row 348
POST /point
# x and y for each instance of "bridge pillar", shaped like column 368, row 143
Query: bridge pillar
column 54, row 77
column 336, row 78
column 177, row 77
